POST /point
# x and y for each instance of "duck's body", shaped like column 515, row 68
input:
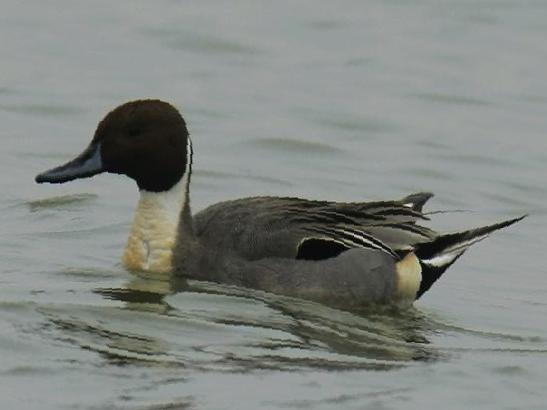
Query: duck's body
column 348, row 254
column 264, row 248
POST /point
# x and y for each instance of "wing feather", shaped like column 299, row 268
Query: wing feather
column 271, row 226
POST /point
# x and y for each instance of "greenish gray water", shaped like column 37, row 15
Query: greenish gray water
column 352, row 101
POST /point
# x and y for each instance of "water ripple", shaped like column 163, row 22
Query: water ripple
column 49, row 110
column 62, row 201
column 293, row 146
column 202, row 43
column 452, row 99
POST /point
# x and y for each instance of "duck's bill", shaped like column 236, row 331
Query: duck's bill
column 87, row 164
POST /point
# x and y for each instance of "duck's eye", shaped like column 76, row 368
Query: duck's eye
column 133, row 132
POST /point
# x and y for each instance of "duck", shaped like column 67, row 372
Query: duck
column 349, row 254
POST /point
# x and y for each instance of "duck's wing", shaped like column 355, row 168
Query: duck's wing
column 260, row 227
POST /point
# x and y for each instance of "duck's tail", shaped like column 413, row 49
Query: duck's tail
column 436, row 256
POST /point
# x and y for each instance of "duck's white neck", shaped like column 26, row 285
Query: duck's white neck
column 155, row 228
column 159, row 219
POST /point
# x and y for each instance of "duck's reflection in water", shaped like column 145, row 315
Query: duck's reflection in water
column 246, row 329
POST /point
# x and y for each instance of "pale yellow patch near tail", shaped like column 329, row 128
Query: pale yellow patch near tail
column 408, row 278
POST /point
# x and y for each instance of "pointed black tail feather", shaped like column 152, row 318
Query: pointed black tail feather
column 437, row 256
column 417, row 200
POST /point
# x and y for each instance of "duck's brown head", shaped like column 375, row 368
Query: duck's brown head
column 147, row 140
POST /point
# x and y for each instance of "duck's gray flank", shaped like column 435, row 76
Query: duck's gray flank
column 345, row 254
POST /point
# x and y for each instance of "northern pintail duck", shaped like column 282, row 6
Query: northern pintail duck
column 348, row 254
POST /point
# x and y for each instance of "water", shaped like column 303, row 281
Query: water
column 352, row 101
